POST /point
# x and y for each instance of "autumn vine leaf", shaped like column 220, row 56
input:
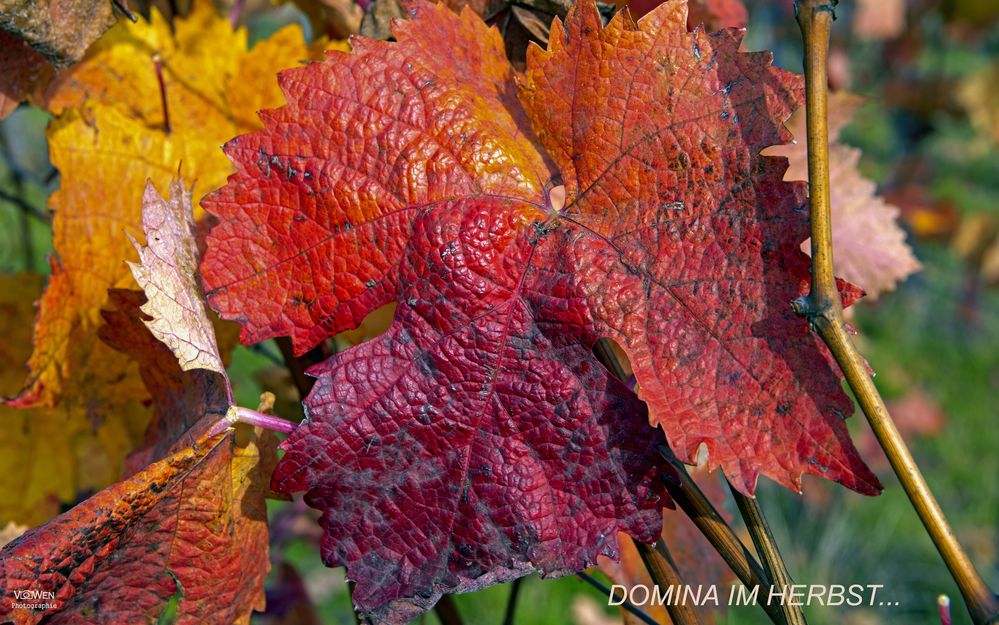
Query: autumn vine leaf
column 110, row 119
column 167, row 272
column 48, row 455
column 190, row 529
column 869, row 245
column 412, row 173
column 186, row 536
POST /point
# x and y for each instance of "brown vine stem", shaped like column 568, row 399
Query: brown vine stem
column 297, row 365
column 688, row 495
column 627, row 606
column 662, row 568
column 447, row 611
column 766, row 547
column 823, row 309
column 511, row 601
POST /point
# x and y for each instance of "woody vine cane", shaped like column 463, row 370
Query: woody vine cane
column 824, row 311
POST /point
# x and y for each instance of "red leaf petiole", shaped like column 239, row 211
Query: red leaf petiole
column 238, row 414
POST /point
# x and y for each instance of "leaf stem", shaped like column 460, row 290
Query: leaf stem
column 692, row 501
column 627, row 605
column 297, row 365
column 766, row 547
column 823, row 309
column 447, row 611
column 123, row 8
column 664, row 573
column 239, row 414
column 943, row 610
column 688, row 495
column 237, row 10
column 158, row 65
column 511, row 601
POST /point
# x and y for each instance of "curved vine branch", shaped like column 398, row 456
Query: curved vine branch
column 689, row 497
column 766, row 547
column 823, row 309
column 662, row 568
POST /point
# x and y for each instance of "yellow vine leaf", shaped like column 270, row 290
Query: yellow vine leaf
column 48, row 455
column 109, row 136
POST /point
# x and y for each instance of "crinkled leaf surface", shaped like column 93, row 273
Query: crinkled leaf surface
column 868, row 242
column 166, row 271
column 479, row 438
column 110, row 120
column 61, row 30
column 712, row 15
column 190, row 529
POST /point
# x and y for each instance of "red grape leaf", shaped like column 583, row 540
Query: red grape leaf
column 190, row 529
column 684, row 240
column 479, row 438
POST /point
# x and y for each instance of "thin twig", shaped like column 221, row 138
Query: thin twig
column 656, row 559
column 261, row 349
column 25, row 207
column 688, row 495
column 766, row 547
column 823, row 309
column 664, row 573
column 447, row 611
column 17, row 199
column 237, row 11
column 297, row 365
column 627, row 605
column 158, row 67
column 511, row 601
column 943, row 610
column 123, row 8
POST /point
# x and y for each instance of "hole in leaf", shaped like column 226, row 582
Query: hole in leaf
column 374, row 324
column 556, row 198
column 613, row 357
